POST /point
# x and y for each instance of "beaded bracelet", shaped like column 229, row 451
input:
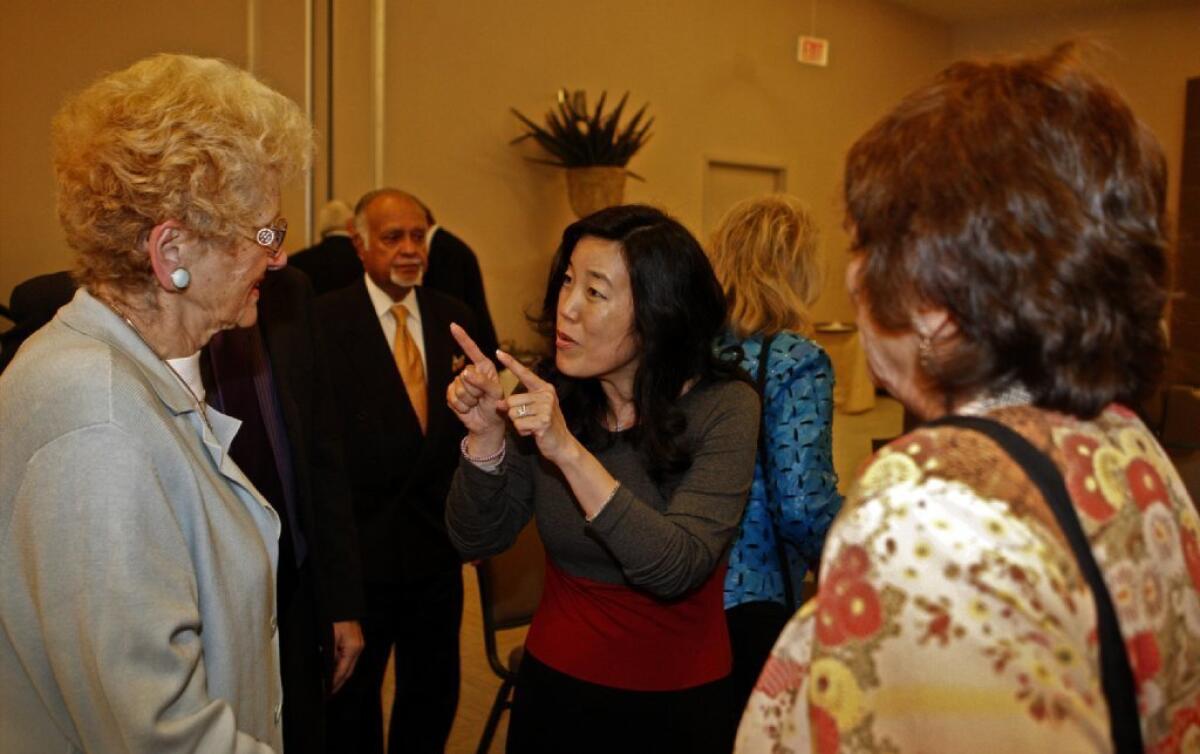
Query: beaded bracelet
column 487, row 463
column 607, row 500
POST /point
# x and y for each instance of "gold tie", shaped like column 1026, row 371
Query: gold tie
column 408, row 361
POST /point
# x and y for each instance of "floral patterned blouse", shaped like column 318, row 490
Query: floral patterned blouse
column 951, row 615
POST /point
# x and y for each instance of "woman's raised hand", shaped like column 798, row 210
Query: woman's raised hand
column 537, row 413
column 474, row 395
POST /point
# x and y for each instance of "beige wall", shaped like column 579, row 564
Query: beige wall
column 721, row 79
column 49, row 50
column 1147, row 53
column 353, row 150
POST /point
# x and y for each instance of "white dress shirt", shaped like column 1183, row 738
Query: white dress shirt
column 188, row 368
column 382, row 303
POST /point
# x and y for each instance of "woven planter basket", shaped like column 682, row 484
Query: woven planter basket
column 593, row 188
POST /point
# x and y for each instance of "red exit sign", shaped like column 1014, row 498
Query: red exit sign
column 813, row 51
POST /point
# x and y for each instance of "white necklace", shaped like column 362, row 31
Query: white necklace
column 617, row 426
column 1017, row 395
column 201, row 407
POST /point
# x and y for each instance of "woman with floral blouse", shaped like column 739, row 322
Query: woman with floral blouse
column 764, row 252
column 1009, row 263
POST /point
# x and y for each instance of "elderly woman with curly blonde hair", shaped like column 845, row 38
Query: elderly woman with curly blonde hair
column 764, row 252
column 136, row 560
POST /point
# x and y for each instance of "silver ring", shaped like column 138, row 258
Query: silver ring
column 522, row 409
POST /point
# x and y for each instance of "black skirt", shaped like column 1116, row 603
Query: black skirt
column 554, row 712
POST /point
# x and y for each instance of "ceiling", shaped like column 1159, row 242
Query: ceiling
column 965, row 11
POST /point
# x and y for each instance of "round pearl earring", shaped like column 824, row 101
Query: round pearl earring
column 181, row 278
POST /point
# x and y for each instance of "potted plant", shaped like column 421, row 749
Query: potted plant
column 594, row 147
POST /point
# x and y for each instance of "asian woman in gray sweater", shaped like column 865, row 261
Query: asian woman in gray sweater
column 634, row 453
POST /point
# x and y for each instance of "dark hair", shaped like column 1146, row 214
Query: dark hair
column 1025, row 199
column 678, row 311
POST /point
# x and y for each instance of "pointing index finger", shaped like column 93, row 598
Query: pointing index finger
column 468, row 346
column 530, row 380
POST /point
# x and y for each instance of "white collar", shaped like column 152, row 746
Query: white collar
column 188, row 368
column 382, row 303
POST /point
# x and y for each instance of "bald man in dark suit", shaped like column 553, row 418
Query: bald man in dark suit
column 387, row 341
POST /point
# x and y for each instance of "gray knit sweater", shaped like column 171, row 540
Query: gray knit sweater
column 663, row 538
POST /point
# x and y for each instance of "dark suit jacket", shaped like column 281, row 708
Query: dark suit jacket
column 286, row 316
column 34, row 302
column 331, row 264
column 42, row 296
column 454, row 270
column 399, row 478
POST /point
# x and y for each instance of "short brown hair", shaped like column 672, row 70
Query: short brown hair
column 764, row 252
column 1025, row 198
column 170, row 137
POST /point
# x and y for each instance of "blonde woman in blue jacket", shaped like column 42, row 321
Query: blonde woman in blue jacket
column 764, row 253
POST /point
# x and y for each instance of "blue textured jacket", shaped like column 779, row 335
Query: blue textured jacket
column 797, row 495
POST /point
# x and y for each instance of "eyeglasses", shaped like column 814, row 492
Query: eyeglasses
column 271, row 237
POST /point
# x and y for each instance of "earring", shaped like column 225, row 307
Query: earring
column 181, row 278
column 924, row 351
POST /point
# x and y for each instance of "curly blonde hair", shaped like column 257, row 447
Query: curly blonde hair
column 764, row 252
column 177, row 137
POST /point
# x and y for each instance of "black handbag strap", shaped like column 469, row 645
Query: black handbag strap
column 764, row 357
column 1116, row 675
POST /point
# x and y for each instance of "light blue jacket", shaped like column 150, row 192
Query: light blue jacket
column 797, row 495
column 137, row 563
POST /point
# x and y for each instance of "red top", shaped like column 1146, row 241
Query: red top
column 617, row 636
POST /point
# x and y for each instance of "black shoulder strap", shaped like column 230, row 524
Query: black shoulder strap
column 764, row 358
column 1116, row 675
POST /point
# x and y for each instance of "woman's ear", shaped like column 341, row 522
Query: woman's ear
column 163, row 247
column 934, row 324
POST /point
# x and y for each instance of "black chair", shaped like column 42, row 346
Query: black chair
column 510, row 587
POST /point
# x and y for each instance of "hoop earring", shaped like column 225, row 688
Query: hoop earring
column 181, row 278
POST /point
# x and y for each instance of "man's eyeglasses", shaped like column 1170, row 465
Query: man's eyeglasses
column 271, row 237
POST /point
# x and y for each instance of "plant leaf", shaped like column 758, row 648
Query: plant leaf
column 609, row 128
column 575, row 135
column 540, row 161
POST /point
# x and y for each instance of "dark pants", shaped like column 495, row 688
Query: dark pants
column 553, row 713
column 754, row 628
column 300, row 666
column 422, row 621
